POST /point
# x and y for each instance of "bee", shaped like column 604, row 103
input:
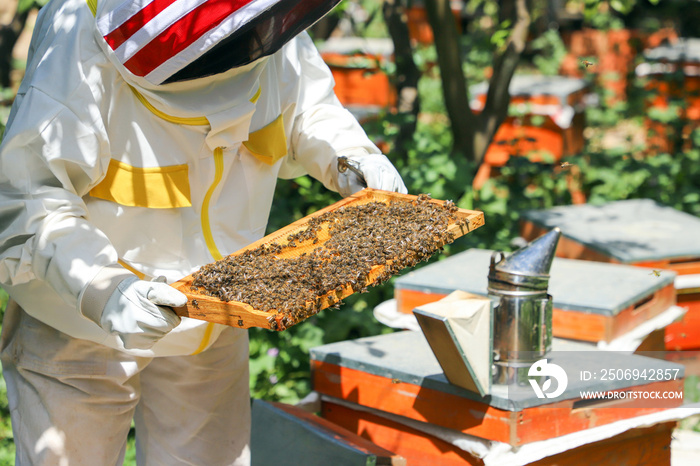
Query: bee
column 195, row 304
column 656, row 273
column 566, row 165
column 587, row 63
column 357, row 239
column 395, row 380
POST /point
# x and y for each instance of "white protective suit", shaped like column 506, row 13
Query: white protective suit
column 103, row 173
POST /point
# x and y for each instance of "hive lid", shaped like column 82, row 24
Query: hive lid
column 575, row 285
column 351, row 45
column 685, row 49
column 407, row 356
column 629, row 231
column 537, row 85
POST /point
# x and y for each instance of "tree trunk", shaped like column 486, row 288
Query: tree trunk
column 9, row 34
column 472, row 133
column 407, row 73
column 454, row 84
column 504, row 66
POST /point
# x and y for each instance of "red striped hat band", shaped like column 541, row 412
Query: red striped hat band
column 156, row 39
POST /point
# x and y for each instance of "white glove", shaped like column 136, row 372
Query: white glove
column 136, row 311
column 376, row 169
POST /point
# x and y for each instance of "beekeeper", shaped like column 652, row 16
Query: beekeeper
column 145, row 141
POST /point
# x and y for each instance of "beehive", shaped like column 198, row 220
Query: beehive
column 638, row 232
column 593, row 302
column 397, row 374
column 672, row 81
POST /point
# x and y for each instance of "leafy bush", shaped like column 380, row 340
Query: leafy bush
column 7, row 446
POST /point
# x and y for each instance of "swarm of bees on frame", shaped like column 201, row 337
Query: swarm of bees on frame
column 342, row 251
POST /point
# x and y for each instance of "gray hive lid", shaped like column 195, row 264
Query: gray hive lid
column 407, row 356
column 537, row 85
column 629, row 231
column 574, row 285
column 683, row 50
column 351, row 45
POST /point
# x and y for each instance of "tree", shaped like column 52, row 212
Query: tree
column 473, row 132
column 407, row 73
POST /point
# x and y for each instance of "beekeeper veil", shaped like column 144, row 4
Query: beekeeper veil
column 169, row 46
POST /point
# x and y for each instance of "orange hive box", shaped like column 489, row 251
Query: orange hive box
column 397, row 374
column 356, row 64
column 672, row 75
column 594, row 302
column 545, row 123
column 244, row 315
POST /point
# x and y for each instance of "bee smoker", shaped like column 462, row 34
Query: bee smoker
column 485, row 341
column 522, row 309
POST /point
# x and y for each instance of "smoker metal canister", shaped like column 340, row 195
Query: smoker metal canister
column 522, row 321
